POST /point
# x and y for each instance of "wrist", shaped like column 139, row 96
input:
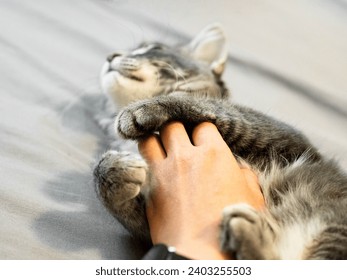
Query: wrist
column 195, row 248
column 196, row 244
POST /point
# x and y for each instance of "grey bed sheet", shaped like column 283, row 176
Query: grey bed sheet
column 287, row 58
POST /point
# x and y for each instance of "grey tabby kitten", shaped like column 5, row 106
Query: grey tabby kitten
column 305, row 194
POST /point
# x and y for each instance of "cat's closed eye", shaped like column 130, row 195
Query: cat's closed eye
column 157, row 47
column 110, row 57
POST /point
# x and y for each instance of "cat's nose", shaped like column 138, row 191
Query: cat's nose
column 112, row 56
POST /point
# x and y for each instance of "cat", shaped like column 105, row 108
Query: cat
column 305, row 193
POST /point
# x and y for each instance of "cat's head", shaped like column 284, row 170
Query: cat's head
column 154, row 69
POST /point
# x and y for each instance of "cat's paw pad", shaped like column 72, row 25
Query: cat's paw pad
column 119, row 177
column 141, row 118
column 241, row 232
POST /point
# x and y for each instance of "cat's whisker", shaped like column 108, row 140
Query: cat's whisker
column 157, row 79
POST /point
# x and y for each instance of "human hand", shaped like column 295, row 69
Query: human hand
column 192, row 183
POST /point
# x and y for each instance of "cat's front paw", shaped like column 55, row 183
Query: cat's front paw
column 246, row 234
column 118, row 178
column 145, row 117
column 119, row 181
column 141, row 119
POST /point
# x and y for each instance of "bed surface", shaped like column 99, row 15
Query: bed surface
column 287, row 59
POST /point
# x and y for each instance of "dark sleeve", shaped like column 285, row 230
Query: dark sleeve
column 162, row 252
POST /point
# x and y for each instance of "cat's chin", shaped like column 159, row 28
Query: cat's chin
column 114, row 85
column 124, row 90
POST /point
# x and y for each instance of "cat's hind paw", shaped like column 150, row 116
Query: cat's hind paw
column 245, row 233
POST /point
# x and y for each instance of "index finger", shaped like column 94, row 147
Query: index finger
column 151, row 149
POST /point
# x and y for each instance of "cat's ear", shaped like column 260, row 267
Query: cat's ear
column 210, row 46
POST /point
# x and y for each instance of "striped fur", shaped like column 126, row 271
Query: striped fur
column 305, row 194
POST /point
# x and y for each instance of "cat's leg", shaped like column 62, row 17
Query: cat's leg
column 330, row 244
column 251, row 135
column 119, row 178
column 247, row 234
column 144, row 117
